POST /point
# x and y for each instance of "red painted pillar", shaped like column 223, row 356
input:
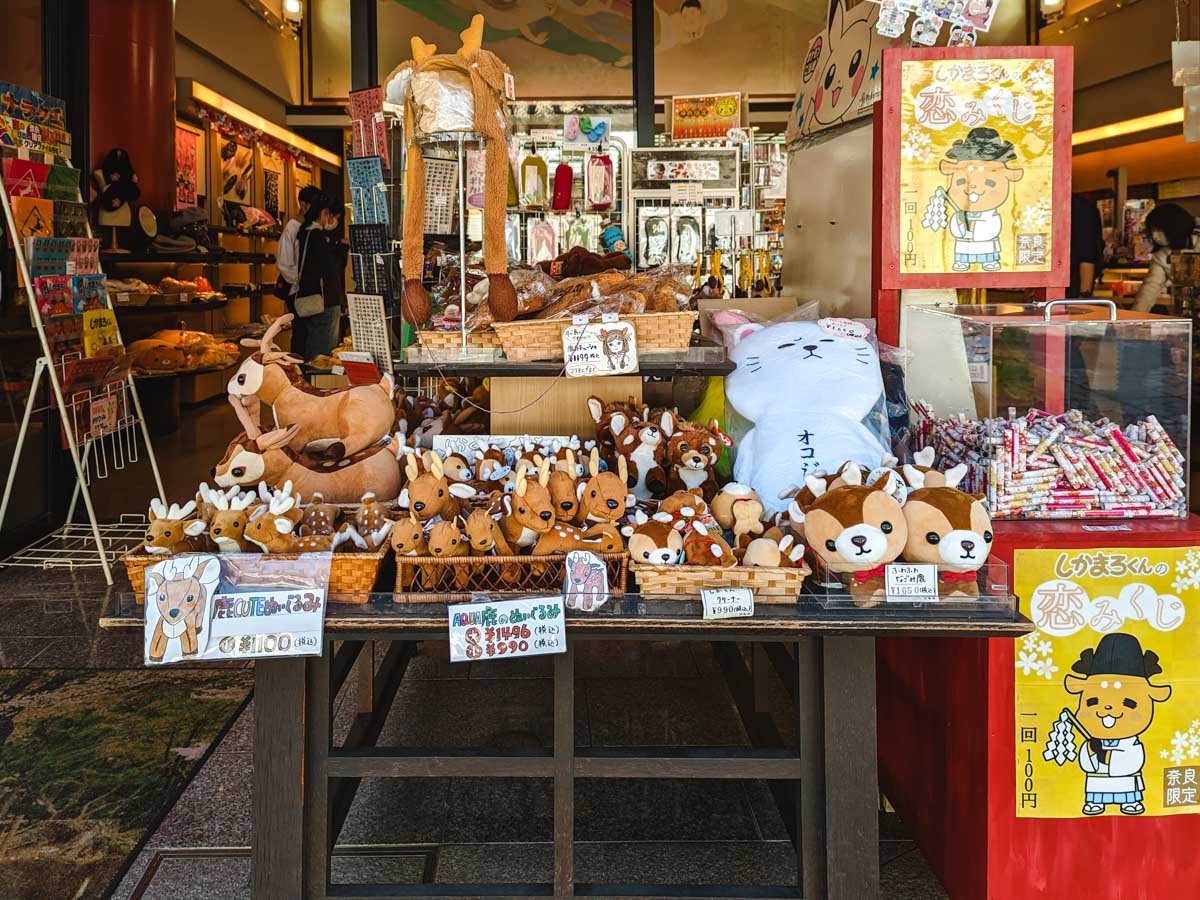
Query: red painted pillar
column 132, row 88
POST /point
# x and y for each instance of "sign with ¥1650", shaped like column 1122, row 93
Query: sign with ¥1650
column 195, row 610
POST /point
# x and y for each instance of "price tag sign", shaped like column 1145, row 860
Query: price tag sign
column 690, row 193
column 544, row 135
column 727, row 603
column 198, row 607
column 499, row 629
column 600, row 348
column 911, row 581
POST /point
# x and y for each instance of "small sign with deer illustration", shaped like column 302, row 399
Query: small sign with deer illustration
column 585, row 585
column 600, row 348
column 234, row 606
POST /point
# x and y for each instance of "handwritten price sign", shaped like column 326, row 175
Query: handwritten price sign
column 499, row 629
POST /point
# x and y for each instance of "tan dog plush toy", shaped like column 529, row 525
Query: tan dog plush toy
column 857, row 530
column 951, row 530
column 474, row 78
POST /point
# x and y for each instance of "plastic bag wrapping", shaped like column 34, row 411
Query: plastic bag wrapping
column 534, row 289
column 833, row 409
column 443, row 100
column 624, row 303
column 728, row 321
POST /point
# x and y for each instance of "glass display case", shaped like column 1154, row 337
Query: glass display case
column 1070, row 409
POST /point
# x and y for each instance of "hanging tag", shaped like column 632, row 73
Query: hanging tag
column 510, row 86
column 579, row 319
column 609, row 317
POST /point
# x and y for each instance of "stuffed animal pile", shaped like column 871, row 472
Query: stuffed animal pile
column 858, row 522
column 263, row 521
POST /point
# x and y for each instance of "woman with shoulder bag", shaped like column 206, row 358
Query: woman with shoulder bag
column 320, row 285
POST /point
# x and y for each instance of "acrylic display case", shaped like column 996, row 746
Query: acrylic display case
column 1070, row 409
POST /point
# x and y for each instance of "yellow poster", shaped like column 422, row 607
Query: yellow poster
column 976, row 165
column 1108, row 704
column 99, row 330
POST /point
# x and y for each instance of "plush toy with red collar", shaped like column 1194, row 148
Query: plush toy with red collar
column 856, row 530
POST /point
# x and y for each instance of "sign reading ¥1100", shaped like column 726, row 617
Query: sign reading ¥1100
column 196, row 610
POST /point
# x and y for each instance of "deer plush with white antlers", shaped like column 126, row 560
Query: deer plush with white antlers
column 174, row 529
column 336, row 422
column 275, row 528
column 231, row 511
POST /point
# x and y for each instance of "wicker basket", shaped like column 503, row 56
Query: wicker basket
column 352, row 573
column 452, row 340
column 537, row 339
column 426, row 579
column 769, row 585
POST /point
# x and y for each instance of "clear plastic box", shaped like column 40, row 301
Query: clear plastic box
column 994, row 600
column 1084, row 365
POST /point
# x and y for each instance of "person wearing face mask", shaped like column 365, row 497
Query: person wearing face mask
column 320, row 274
column 1171, row 228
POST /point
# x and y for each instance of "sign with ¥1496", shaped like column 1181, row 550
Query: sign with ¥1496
column 496, row 629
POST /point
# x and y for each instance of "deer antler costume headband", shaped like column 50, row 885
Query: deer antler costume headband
column 486, row 73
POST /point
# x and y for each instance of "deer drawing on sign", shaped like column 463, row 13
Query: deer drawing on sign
column 587, row 581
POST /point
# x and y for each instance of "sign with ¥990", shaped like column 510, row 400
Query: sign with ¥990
column 499, row 629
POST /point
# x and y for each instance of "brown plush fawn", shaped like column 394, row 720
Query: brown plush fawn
column 446, row 541
column 563, row 491
column 408, row 539
column 430, row 494
column 530, row 509
column 174, row 529
column 371, row 520
column 604, row 497
column 319, row 517
column 275, row 528
column 231, row 511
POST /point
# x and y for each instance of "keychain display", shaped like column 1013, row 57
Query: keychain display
column 564, row 183
column 600, row 182
column 654, row 236
column 533, row 182
column 687, row 234
column 543, row 241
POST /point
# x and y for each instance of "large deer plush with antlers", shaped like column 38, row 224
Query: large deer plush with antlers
column 254, row 456
column 413, row 82
column 337, row 421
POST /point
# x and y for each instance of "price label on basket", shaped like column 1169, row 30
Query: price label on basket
column 600, row 348
column 198, row 607
column 500, row 629
column 911, row 581
column 727, row 603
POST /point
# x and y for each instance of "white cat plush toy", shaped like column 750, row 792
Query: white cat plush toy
column 808, row 388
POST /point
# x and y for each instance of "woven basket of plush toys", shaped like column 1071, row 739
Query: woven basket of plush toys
column 658, row 303
column 274, row 522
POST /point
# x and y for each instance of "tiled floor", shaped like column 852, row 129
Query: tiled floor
column 464, row 830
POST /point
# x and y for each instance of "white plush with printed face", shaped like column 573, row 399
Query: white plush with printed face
column 245, row 467
column 808, row 391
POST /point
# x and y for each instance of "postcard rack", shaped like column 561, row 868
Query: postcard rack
column 101, row 421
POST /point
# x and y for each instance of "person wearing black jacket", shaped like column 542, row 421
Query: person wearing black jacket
column 320, row 273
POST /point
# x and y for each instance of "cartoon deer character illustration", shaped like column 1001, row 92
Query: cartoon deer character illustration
column 1116, row 705
column 179, row 590
column 587, row 582
column 337, row 422
column 482, row 75
column 979, row 181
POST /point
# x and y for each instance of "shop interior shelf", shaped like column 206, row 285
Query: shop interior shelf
column 110, row 257
column 160, row 306
column 704, row 359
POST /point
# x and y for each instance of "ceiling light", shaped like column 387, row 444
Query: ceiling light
column 292, row 9
column 1128, row 126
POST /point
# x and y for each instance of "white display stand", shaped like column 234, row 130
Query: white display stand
column 74, row 544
